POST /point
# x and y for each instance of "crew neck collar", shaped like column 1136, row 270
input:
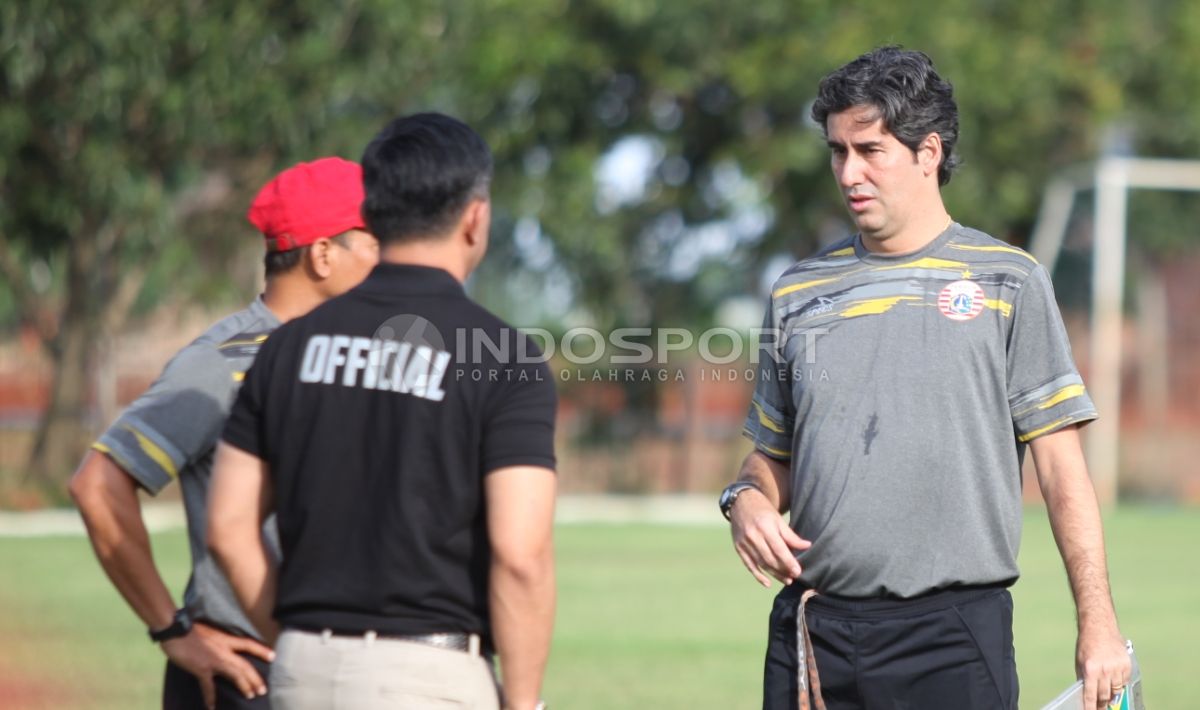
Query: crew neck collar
column 258, row 307
column 872, row 257
column 391, row 277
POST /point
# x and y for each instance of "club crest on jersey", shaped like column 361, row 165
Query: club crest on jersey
column 961, row 300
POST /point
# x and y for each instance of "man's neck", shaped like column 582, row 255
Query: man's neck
column 289, row 297
column 435, row 254
column 914, row 237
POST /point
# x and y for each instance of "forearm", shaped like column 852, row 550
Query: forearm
column 238, row 501
column 128, row 560
column 247, row 565
column 109, row 505
column 1100, row 658
column 1075, row 520
column 521, row 595
column 770, row 476
column 522, row 601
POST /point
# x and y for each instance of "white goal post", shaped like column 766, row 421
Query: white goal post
column 1111, row 178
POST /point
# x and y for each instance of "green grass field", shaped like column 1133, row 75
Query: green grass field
column 649, row 617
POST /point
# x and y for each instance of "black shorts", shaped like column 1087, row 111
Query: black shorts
column 948, row 649
column 181, row 690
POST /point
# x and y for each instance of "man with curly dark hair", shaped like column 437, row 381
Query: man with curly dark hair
column 907, row 370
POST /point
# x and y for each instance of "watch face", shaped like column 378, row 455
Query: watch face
column 730, row 494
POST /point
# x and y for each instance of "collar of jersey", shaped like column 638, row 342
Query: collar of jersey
column 259, row 309
column 870, row 257
column 409, row 278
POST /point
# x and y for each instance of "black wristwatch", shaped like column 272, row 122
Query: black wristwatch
column 180, row 625
column 730, row 494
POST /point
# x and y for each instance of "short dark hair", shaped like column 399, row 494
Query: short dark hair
column 419, row 173
column 281, row 262
column 911, row 98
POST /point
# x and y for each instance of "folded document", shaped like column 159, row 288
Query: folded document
column 1129, row 698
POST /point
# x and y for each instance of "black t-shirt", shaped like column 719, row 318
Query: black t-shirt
column 379, row 414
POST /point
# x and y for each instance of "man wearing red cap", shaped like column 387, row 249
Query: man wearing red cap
column 317, row 248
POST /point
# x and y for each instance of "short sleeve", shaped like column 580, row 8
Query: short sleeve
column 176, row 421
column 245, row 426
column 519, row 430
column 771, row 419
column 1045, row 391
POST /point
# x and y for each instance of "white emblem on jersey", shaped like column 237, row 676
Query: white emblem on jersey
column 961, row 300
column 823, row 305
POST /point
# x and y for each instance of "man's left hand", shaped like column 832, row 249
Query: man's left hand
column 1102, row 662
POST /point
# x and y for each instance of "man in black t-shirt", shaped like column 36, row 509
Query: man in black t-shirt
column 403, row 436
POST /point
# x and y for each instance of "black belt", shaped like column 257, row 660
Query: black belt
column 889, row 607
column 450, row 641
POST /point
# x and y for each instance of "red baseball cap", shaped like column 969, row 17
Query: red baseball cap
column 307, row 202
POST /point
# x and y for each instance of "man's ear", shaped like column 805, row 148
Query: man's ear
column 929, row 154
column 476, row 221
column 320, row 259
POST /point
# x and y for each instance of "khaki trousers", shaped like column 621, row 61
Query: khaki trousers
column 314, row 671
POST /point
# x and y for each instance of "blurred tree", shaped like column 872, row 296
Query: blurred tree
column 124, row 126
column 95, row 127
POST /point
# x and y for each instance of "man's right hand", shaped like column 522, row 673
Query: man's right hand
column 763, row 540
column 206, row 652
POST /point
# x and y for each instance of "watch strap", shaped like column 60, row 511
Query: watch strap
column 181, row 625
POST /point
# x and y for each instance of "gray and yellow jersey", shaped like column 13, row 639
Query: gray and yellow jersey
column 170, row 433
column 902, row 390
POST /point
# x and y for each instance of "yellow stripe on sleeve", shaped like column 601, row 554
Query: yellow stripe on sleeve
column 154, row 451
column 1057, row 423
column 766, row 449
column 1062, row 395
column 774, row 452
column 97, row 446
column 767, row 421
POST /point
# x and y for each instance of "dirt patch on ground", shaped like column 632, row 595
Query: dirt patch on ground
column 19, row 691
column 23, row 689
